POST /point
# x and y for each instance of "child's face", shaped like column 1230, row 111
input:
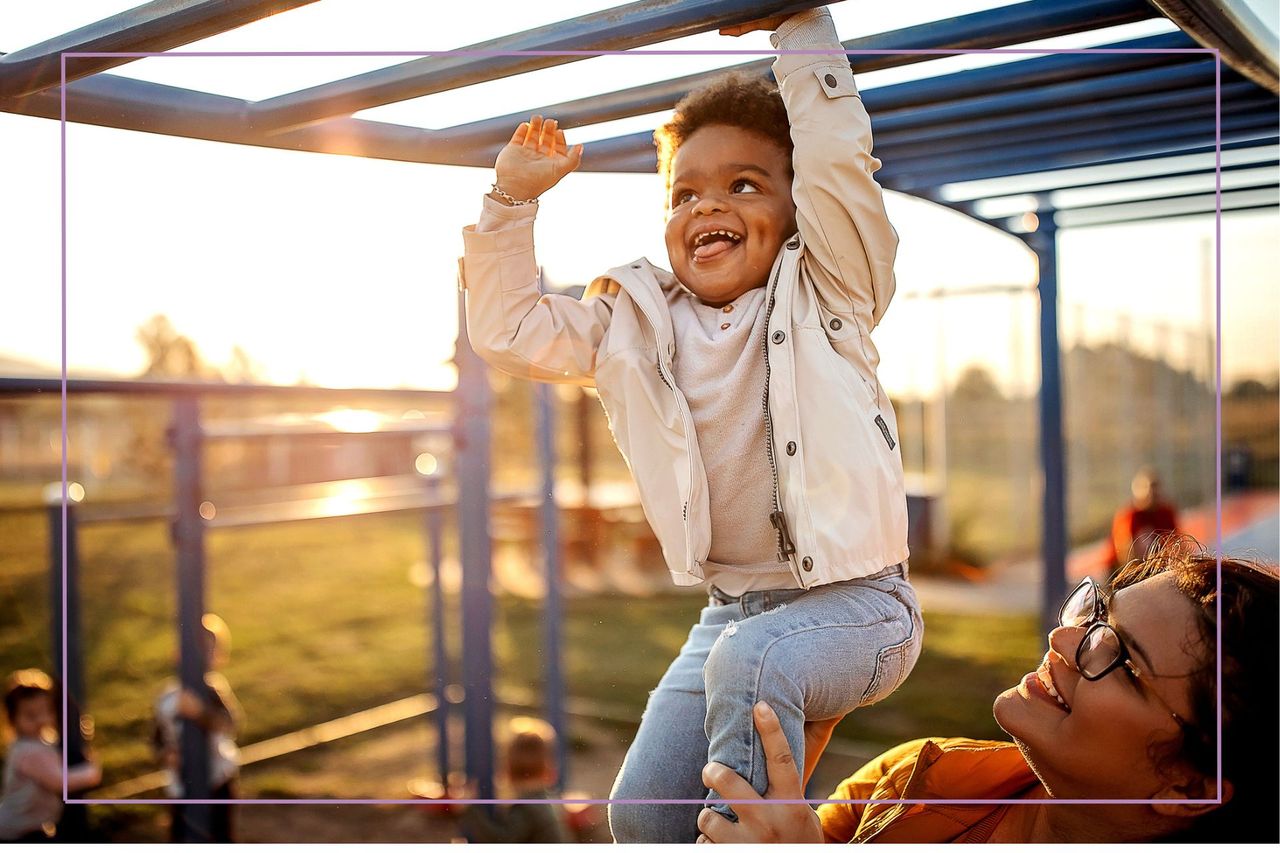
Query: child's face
column 728, row 179
column 33, row 716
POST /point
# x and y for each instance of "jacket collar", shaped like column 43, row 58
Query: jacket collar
column 647, row 285
column 971, row 770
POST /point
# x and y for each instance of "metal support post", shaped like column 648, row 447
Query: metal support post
column 472, row 443
column 195, row 819
column 553, row 682
column 68, row 657
column 439, row 649
column 1053, row 547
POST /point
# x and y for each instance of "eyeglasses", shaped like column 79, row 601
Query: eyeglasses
column 1101, row 648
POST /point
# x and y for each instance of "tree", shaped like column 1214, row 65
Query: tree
column 171, row 355
column 976, row 383
column 241, row 368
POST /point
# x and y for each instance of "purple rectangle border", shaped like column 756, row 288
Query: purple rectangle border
column 592, row 53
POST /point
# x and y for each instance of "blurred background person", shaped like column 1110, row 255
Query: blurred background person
column 1137, row 525
column 218, row 713
column 531, row 774
column 31, row 797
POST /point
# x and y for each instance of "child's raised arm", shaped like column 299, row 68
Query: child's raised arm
column 850, row 245
column 511, row 324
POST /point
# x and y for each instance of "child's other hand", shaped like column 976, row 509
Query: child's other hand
column 535, row 159
column 771, row 23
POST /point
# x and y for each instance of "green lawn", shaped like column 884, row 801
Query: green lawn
column 327, row 620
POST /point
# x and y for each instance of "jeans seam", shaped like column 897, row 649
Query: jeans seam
column 755, row 691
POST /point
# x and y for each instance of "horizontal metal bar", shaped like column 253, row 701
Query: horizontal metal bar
column 1079, row 125
column 150, row 28
column 1262, row 199
column 1038, row 71
column 316, row 509
column 319, row 427
column 1014, row 24
column 1185, row 77
column 1199, row 199
column 1252, row 176
column 444, row 496
column 13, row 385
column 1015, row 110
column 1241, row 155
column 912, row 166
column 620, row 28
column 1136, row 144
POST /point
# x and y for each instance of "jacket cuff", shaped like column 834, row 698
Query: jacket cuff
column 812, row 30
column 494, row 215
column 501, row 229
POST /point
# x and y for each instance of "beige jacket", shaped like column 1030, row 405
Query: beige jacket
column 841, row 505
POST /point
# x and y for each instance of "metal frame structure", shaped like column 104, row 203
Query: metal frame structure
column 1138, row 107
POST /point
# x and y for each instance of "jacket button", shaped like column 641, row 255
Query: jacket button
column 830, row 80
column 779, row 336
column 835, row 324
column 807, row 564
column 791, row 448
column 793, row 243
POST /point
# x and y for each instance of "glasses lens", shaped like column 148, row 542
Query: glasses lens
column 1079, row 606
column 1099, row 649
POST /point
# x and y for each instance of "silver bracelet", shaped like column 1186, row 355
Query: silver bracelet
column 510, row 199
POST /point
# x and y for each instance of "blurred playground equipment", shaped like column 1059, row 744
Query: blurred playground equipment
column 1061, row 140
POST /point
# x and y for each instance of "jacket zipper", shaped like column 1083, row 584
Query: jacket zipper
column 684, row 510
column 776, row 518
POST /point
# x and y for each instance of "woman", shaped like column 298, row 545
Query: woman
column 1123, row 707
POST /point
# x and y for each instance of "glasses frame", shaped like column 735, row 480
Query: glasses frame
column 1095, row 623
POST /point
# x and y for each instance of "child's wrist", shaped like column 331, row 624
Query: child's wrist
column 512, row 194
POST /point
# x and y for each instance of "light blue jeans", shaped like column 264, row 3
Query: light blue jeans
column 811, row 654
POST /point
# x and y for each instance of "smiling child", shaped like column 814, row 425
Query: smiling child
column 741, row 388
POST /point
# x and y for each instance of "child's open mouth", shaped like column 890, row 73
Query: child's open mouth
column 710, row 245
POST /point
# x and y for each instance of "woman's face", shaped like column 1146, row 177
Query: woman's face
column 1096, row 743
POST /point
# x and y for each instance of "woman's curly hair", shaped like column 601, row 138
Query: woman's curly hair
column 1250, row 602
column 735, row 99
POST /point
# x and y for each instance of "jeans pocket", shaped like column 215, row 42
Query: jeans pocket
column 894, row 663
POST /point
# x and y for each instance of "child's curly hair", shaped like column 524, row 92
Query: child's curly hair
column 734, row 99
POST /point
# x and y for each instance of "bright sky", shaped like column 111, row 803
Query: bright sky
column 342, row 270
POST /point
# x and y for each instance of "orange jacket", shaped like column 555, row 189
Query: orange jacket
column 928, row 769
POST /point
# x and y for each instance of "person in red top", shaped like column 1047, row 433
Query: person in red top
column 1137, row 525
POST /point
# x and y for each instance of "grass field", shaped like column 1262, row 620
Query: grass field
column 328, row 620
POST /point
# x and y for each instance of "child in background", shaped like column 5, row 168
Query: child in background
column 218, row 713
column 31, row 798
column 531, row 772
column 742, row 391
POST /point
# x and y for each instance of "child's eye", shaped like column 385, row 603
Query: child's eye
column 681, row 197
column 744, row 186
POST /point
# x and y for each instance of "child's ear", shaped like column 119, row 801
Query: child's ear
column 1177, row 799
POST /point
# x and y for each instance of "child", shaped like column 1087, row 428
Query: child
column 531, row 771
column 218, row 713
column 742, row 391
column 31, row 799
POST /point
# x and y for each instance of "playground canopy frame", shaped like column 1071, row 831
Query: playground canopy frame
column 1041, row 123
